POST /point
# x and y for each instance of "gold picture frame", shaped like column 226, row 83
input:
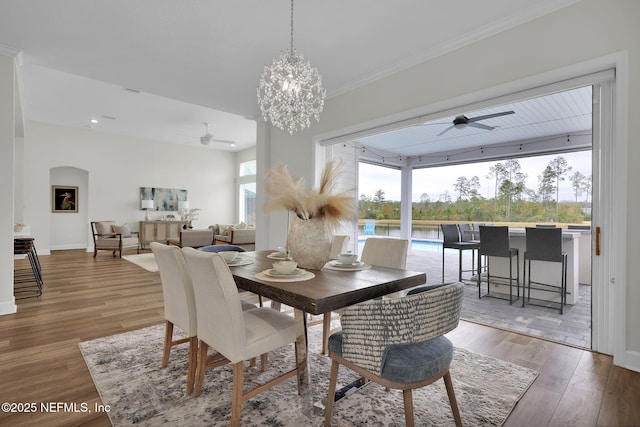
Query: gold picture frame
column 64, row 199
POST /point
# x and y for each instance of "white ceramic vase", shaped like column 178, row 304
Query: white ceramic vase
column 309, row 242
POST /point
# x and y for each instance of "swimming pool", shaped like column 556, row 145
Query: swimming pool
column 419, row 245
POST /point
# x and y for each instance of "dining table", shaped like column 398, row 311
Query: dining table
column 317, row 292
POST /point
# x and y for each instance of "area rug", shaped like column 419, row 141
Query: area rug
column 146, row 261
column 126, row 371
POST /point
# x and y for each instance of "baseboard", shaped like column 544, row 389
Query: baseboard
column 8, row 307
column 68, row 247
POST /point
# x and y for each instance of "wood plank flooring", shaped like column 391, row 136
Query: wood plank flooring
column 86, row 298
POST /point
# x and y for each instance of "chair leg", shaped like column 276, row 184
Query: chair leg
column 408, row 407
column 168, row 336
column 452, row 399
column 333, row 379
column 193, row 363
column 443, row 263
column 201, row 367
column 236, row 400
column 326, row 328
column 264, row 362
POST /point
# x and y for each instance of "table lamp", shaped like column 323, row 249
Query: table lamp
column 146, row 205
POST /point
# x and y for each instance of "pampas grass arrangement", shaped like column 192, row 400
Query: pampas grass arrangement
column 291, row 193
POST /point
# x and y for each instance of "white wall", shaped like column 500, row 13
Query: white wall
column 585, row 31
column 7, row 131
column 117, row 167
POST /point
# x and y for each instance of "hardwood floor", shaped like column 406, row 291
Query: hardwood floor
column 86, row 298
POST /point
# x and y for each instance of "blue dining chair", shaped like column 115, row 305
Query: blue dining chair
column 399, row 343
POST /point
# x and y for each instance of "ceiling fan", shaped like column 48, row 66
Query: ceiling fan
column 208, row 138
column 462, row 121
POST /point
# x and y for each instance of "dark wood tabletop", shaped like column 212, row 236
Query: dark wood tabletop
column 329, row 289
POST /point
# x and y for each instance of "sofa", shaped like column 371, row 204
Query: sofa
column 194, row 238
column 236, row 234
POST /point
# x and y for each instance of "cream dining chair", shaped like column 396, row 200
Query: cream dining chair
column 339, row 245
column 381, row 252
column 179, row 305
column 236, row 334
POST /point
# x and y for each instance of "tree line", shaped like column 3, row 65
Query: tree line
column 512, row 200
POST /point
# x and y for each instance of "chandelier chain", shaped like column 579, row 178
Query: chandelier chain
column 291, row 25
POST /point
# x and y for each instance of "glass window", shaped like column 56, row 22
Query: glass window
column 248, row 168
column 248, row 203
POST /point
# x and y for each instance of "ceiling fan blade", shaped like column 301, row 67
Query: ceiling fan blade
column 481, row 126
column 488, row 116
column 446, row 130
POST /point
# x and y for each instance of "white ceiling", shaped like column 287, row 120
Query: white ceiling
column 196, row 61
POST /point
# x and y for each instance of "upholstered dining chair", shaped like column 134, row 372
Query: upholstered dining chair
column 179, row 305
column 221, row 248
column 224, row 248
column 339, row 245
column 379, row 251
column 236, row 334
column 399, row 343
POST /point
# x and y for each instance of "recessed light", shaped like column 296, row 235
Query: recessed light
column 94, row 121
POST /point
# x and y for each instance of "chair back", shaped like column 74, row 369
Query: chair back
column 222, row 248
column 385, row 252
column 370, row 327
column 218, row 306
column 466, row 232
column 544, row 244
column 339, row 245
column 450, row 233
column 177, row 290
column 494, row 241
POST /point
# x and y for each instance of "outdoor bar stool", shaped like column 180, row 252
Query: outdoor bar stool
column 452, row 240
column 494, row 242
column 545, row 244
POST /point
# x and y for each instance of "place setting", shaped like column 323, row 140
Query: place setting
column 234, row 259
column 285, row 271
column 347, row 262
column 280, row 254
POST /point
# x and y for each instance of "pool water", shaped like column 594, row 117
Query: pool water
column 420, row 245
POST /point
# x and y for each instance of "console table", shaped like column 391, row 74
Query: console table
column 160, row 231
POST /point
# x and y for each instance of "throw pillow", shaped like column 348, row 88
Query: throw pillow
column 228, row 231
column 122, row 229
column 104, row 227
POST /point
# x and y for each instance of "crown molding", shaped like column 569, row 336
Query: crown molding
column 10, row 51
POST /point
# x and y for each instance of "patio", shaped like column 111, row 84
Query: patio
column 572, row 328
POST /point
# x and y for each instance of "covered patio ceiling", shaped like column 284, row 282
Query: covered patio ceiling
column 558, row 122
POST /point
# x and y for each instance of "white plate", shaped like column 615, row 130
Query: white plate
column 239, row 261
column 346, row 265
column 273, row 273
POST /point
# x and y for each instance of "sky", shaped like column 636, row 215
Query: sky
column 435, row 181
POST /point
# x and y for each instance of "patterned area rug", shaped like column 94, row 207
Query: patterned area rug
column 126, row 371
column 146, row 261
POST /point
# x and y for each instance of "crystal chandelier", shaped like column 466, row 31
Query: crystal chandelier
column 290, row 90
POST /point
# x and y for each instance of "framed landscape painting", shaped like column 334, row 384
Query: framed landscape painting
column 64, row 199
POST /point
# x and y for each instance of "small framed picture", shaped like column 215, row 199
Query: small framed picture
column 64, row 199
